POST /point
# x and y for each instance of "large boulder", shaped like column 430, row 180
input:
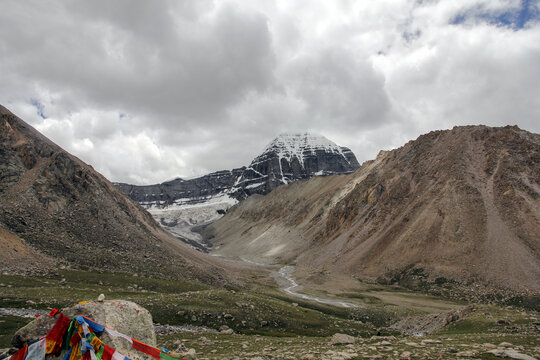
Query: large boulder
column 341, row 339
column 122, row 316
column 432, row 323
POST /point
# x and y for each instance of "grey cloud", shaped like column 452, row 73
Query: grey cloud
column 144, row 61
column 340, row 87
column 147, row 91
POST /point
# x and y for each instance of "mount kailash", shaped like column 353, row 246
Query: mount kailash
column 180, row 205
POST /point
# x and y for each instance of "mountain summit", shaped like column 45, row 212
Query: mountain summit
column 290, row 157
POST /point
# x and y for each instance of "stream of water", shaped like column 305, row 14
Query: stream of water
column 291, row 287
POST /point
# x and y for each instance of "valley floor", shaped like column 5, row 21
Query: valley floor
column 455, row 346
column 271, row 324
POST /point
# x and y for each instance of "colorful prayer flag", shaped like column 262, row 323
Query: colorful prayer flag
column 107, row 353
column 115, row 333
column 20, row 354
column 147, row 349
column 56, row 335
column 36, row 350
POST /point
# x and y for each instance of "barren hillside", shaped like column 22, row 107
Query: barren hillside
column 55, row 209
column 459, row 205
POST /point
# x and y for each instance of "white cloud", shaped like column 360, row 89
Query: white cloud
column 149, row 91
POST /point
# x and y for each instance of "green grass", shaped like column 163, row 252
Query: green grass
column 8, row 326
column 258, row 310
column 267, row 321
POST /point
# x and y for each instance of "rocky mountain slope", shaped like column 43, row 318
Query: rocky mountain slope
column 461, row 206
column 180, row 205
column 55, row 209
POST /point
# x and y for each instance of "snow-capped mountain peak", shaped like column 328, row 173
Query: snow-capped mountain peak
column 289, row 145
column 290, row 157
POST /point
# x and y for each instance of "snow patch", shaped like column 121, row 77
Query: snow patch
column 252, row 186
column 183, row 215
column 187, row 203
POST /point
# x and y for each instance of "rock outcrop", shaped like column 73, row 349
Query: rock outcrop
column 122, row 316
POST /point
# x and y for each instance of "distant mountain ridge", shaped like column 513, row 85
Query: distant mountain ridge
column 287, row 158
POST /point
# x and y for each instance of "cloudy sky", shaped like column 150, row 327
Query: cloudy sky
column 146, row 91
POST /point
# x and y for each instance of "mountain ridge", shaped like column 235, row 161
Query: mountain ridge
column 459, row 205
column 302, row 155
column 55, row 207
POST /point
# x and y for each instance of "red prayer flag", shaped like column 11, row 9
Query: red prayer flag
column 107, row 353
column 147, row 349
column 76, row 338
column 20, row 354
column 54, row 312
column 86, row 356
column 54, row 337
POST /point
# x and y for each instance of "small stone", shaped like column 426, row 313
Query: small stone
column 413, row 344
column 224, row 329
column 429, row 341
column 101, row 298
column 505, row 345
column 188, row 355
column 205, row 341
column 406, row 355
column 467, row 354
column 509, row 353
